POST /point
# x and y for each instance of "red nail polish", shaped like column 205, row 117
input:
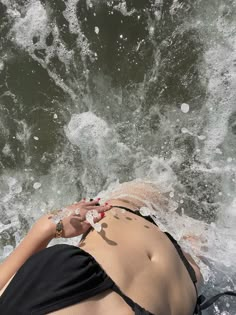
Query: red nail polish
column 98, row 198
column 106, row 203
column 102, row 215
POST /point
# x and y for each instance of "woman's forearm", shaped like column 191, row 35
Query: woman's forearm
column 44, row 230
column 39, row 236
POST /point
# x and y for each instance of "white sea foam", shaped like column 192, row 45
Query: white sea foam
column 221, row 72
column 100, row 148
column 221, row 98
column 175, row 7
column 220, row 142
column 34, row 23
column 74, row 25
column 122, row 8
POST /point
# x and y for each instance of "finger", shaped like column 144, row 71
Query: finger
column 104, row 208
column 99, row 208
column 92, row 202
column 96, row 219
column 77, row 203
column 100, row 217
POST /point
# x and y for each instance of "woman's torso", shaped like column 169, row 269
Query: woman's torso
column 143, row 262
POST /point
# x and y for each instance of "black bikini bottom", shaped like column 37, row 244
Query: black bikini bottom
column 55, row 278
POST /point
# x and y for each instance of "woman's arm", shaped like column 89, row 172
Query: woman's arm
column 44, row 230
column 39, row 236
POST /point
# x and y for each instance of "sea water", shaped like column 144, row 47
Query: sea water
column 95, row 93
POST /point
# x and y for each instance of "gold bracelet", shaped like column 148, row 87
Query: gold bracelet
column 59, row 229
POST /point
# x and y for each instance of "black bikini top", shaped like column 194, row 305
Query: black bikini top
column 136, row 212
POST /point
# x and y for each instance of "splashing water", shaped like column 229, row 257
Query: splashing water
column 95, row 93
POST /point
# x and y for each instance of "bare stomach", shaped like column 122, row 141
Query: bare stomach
column 105, row 303
column 143, row 263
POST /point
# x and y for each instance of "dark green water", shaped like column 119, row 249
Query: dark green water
column 95, row 92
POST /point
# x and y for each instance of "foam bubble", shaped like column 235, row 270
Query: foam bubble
column 151, row 31
column 7, row 150
column 201, row 137
column 1, row 65
column 185, row 130
column 171, row 194
column 86, row 129
column 36, row 185
column 185, row 108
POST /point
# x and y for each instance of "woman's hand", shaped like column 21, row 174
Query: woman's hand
column 44, row 230
column 75, row 223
